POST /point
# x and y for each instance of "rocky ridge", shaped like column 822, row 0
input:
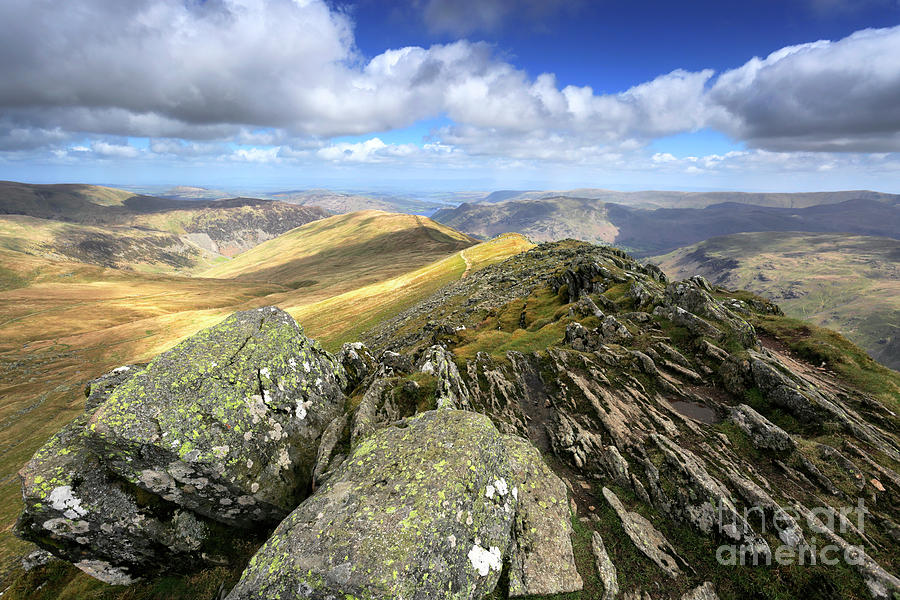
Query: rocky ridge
column 565, row 421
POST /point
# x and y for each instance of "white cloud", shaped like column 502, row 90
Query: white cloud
column 825, row 96
column 281, row 77
column 256, row 155
column 371, row 150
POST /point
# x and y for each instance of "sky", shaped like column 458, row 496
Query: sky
column 447, row 95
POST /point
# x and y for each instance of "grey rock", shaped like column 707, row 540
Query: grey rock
column 358, row 363
column 704, row 591
column 98, row 390
column 451, row 391
column 76, row 509
column 37, row 558
column 332, row 436
column 605, row 567
column 227, row 422
column 541, row 558
column 763, row 434
column 646, row 537
column 421, row 509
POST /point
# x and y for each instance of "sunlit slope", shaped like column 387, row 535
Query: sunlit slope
column 849, row 283
column 342, row 318
column 344, row 252
column 61, row 196
column 118, row 246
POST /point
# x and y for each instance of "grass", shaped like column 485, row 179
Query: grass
column 62, row 581
column 344, row 317
column 523, row 325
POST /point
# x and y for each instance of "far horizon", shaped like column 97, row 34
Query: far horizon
column 263, row 190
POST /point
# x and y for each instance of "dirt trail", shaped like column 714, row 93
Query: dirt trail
column 465, row 274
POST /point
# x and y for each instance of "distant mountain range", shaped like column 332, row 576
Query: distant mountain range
column 654, row 231
column 338, row 202
column 672, row 199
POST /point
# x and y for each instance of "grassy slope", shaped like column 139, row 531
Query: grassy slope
column 64, row 323
column 344, row 252
column 138, row 249
column 846, row 282
column 363, row 308
column 66, row 194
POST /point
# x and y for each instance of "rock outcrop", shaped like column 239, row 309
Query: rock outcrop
column 424, row 508
column 221, row 431
column 226, row 423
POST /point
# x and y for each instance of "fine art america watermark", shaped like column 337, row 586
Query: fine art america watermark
column 825, row 547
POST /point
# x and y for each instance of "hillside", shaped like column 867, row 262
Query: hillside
column 647, row 232
column 559, row 424
column 346, row 251
column 651, row 199
column 342, row 202
column 65, row 322
column 846, row 282
column 115, row 228
column 543, row 219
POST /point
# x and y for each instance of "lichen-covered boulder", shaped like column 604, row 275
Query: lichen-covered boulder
column 541, row 557
column 112, row 530
column 227, row 422
column 421, row 509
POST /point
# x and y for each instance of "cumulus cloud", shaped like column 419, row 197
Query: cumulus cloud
column 371, row 150
column 279, row 78
column 826, row 96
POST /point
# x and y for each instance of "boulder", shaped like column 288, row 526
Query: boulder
column 605, row 567
column 646, row 537
column 541, row 557
column 108, row 528
column 227, row 422
column 421, row 509
column 704, row 591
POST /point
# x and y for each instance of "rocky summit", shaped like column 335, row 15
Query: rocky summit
column 567, row 421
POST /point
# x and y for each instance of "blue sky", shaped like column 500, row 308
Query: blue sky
column 450, row 95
